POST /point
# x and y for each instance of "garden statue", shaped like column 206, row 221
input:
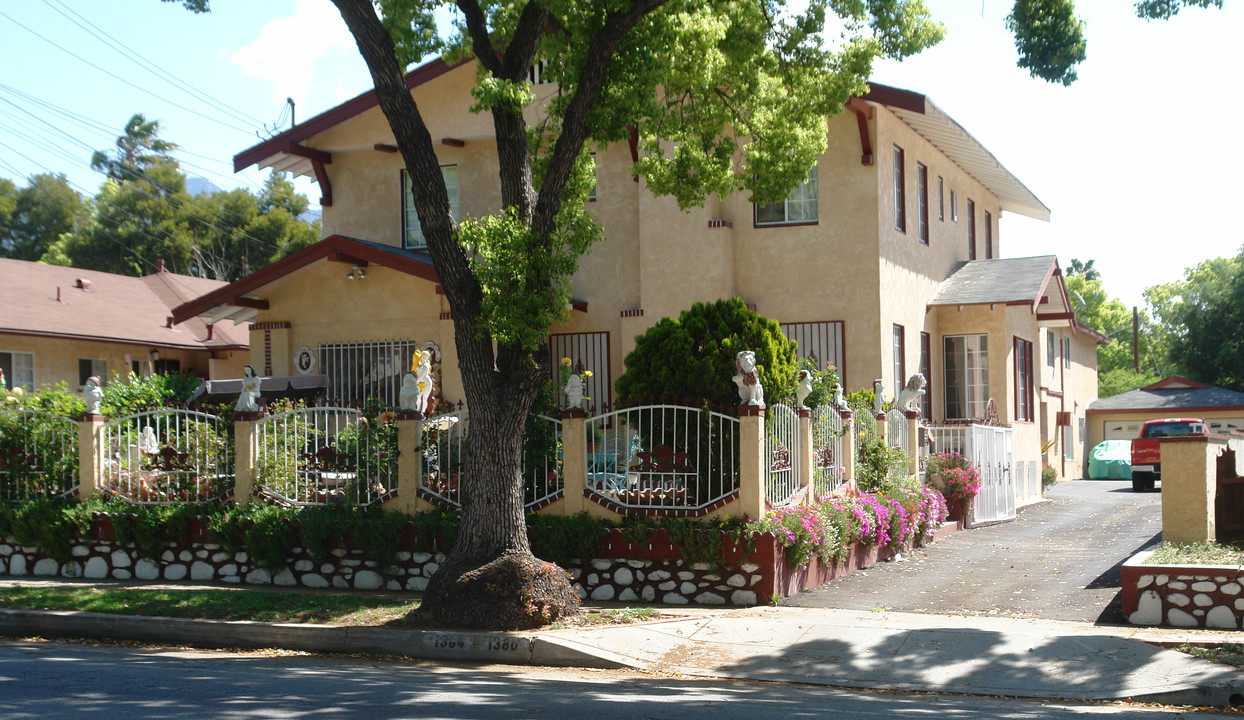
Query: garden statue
column 840, row 402
column 423, row 380
column 878, row 396
column 248, row 399
column 574, row 391
column 93, row 395
column 147, row 441
column 408, row 396
column 912, row 393
column 748, row 379
column 804, row 387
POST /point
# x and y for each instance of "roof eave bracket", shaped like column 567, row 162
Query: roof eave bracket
column 318, row 159
column 863, row 113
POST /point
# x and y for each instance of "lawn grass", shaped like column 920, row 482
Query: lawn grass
column 214, row 604
column 256, row 605
column 1201, row 553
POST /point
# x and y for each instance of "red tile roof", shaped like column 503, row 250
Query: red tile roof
column 56, row 301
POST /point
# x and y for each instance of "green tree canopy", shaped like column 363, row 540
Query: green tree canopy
column 692, row 357
column 1200, row 318
column 34, row 217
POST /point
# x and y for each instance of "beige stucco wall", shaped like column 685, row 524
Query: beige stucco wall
column 56, row 359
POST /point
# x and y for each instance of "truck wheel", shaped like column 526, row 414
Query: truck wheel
column 1142, row 482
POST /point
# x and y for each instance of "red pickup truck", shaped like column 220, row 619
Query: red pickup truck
column 1146, row 450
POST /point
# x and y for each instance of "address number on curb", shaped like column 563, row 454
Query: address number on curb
column 448, row 642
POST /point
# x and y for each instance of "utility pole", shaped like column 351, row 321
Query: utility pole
column 1135, row 339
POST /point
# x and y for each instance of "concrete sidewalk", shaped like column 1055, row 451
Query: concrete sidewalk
column 846, row 648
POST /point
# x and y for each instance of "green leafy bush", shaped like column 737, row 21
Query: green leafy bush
column 134, row 394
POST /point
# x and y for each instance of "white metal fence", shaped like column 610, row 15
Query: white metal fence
column 662, row 457
column 782, row 481
column 167, row 456
column 38, row 454
column 441, row 450
column 542, row 460
column 989, row 448
column 828, row 431
column 325, row 456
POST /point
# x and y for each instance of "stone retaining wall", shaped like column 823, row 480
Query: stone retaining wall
column 1209, row 596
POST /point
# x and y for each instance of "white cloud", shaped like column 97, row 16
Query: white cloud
column 288, row 48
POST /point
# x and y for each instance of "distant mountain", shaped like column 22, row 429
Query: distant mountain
column 200, row 186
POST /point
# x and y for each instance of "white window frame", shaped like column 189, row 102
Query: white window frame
column 412, row 231
column 1069, row 444
column 20, row 374
column 971, row 391
column 99, row 369
column 1067, row 352
column 801, row 207
column 900, row 190
column 954, row 206
column 941, row 199
column 1049, row 347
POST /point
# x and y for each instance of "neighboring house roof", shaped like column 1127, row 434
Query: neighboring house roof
column 286, row 152
column 236, row 301
column 58, row 301
column 1172, row 396
column 1032, row 281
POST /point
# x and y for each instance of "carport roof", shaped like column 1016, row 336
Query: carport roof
column 1174, row 396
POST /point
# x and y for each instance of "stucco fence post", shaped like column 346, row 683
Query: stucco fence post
column 807, row 456
column 848, row 447
column 753, row 465
column 913, row 441
column 90, row 454
column 574, row 462
column 409, row 467
column 1189, row 487
column 245, row 452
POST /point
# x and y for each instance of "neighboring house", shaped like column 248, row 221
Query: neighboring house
column 62, row 324
column 1121, row 416
column 885, row 262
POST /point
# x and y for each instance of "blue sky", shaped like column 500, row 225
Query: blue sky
column 1139, row 160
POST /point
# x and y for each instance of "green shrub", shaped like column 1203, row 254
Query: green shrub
column 127, row 395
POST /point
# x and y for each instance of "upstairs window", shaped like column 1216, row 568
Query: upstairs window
column 971, row 230
column 1049, row 348
column 954, row 206
column 988, row 235
column 799, row 208
column 926, row 403
column 1067, row 352
column 900, row 195
column 900, row 367
column 922, row 201
column 412, row 231
column 941, row 199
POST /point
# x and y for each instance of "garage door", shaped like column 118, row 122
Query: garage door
column 1121, row 430
column 1225, row 425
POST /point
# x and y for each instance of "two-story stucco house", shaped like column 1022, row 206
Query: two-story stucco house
column 886, row 262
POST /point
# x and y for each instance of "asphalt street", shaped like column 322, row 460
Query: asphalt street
column 60, row 680
column 1059, row 560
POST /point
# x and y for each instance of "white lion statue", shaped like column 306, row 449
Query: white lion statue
column 803, row 388
column 748, row 380
column 911, row 393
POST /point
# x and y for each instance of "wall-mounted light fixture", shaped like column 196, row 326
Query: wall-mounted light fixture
column 356, row 273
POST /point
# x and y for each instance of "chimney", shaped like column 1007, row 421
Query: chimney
column 82, row 283
column 58, row 294
column 160, row 265
column 211, row 329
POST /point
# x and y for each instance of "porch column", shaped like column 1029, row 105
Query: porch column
column 90, row 454
column 574, row 460
column 753, row 465
column 245, row 451
column 807, row 458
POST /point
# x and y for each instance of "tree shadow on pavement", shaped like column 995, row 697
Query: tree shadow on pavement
column 1112, row 613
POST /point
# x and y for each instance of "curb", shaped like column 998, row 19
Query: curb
column 451, row 645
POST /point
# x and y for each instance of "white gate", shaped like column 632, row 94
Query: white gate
column 782, row 449
column 991, row 449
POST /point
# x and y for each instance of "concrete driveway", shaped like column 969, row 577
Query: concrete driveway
column 1059, row 560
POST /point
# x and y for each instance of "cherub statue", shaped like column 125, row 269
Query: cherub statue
column 574, row 391
column 748, row 379
column 248, row 399
column 408, row 396
column 878, row 396
column 423, row 380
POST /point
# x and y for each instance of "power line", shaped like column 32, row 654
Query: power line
column 118, row 77
column 151, row 67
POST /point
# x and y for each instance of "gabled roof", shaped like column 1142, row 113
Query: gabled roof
column 236, row 301
column 951, row 138
column 58, row 301
column 1035, row 282
column 288, row 153
column 1172, row 396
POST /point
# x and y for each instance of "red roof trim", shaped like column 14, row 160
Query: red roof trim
column 1173, row 379
column 894, row 97
column 333, row 116
column 323, row 250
